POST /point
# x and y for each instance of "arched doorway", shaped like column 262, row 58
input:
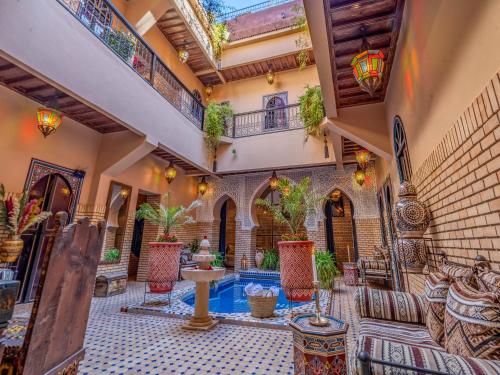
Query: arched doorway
column 269, row 231
column 275, row 114
column 225, row 209
column 340, row 228
column 57, row 195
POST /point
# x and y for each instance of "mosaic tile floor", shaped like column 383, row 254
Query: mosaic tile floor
column 121, row 343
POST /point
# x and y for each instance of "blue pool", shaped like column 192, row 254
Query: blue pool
column 230, row 297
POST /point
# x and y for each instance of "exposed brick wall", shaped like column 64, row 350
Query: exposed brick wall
column 368, row 236
column 343, row 236
column 460, row 182
column 149, row 234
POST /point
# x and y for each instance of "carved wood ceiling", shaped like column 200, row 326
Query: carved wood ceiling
column 187, row 167
column 44, row 93
column 382, row 20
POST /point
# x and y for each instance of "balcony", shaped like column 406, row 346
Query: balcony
column 251, row 9
column 264, row 121
column 107, row 24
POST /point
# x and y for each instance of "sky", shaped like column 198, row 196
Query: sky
column 238, row 4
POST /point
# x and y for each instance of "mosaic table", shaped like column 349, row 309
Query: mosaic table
column 319, row 350
column 350, row 274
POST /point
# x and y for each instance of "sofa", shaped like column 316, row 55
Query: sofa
column 377, row 267
column 404, row 333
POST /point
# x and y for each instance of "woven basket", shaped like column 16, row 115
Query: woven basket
column 262, row 306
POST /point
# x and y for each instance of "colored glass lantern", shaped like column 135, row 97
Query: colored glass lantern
column 363, row 158
column 273, row 182
column 170, row 173
column 360, row 176
column 49, row 120
column 270, row 76
column 368, row 69
column 202, row 186
column 208, row 90
column 183, row 55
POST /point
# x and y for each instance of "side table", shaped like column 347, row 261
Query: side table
column 350, row 274
column 319, row 350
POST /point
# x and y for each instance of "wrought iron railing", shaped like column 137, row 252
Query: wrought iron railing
column 107, row 23
column 251, row 9
column 264, row 121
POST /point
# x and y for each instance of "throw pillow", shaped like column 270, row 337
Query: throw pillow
column 472, row 322
column 489, row 281
column 436, row 291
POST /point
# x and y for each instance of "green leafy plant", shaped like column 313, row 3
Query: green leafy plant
column 219, row 37
column 271, row 260
column 112, row 255
column 326, row 268
column 296, row 202
column 195, row 246
column 311, row 110
column 216, row 115
column 218, row 261
column 167, row 217
column 120, row 42
column 19, row 213
column 302, row 42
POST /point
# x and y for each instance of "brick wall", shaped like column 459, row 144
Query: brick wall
column 368, row 235
column 343, row 235
column 149, row 234
column 459, row 181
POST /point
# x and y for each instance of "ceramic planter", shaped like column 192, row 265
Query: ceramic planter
column 163, row 266
column 296, row 269
column 11, row 249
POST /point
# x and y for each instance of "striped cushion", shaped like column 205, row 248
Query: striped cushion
column 436, row 291
column 422, row 357
column 374, row 264
column 457, row 272
column 489, row 282
column 389, row 305
column 472, row 322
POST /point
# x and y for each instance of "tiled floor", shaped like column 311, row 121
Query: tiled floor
column 121, row 343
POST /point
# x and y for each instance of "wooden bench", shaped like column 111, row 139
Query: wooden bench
column 110, row 284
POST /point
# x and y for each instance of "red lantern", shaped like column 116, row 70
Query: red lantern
column 49, row 120
column 368, row 69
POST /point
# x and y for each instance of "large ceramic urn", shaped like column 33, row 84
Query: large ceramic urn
column 296, row 269
column 163, row 266
column 411, row 218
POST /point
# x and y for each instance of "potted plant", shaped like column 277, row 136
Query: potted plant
column 295, row 251
column 271, row 260
column 311, row 110
column 164, row 253
column 326, row 268
column 111, row 255
column 17, row 215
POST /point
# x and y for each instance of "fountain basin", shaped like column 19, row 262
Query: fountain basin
column 200, row 276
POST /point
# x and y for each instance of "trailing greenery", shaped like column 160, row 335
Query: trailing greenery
column 219, row 36
column 112, row 255
column 121, row 42
column 216, row 115
column 218, row 261
column 312, row 111
column 167, row 217
column 214, row 8
column 326, row 268
column 302, row 42
column 296, row 202
column 271, row 260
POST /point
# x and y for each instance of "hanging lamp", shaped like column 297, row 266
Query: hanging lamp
column 360, row 176
column 208, row 90
column 270, row 75
column 368, row 66
column 170, row 173
column 49, row 120
column 363, row 158
column 202, row 186
column 273, row 181
column 183, row 53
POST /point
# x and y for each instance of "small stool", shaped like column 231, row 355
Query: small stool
column 319, row 350
column 350, row 274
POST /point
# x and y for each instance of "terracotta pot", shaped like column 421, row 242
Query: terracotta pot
column 163, row 265
column 11, row 249
column 259, row 258
column 296, row 269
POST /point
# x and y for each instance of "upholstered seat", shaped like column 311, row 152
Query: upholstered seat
column 377, row 266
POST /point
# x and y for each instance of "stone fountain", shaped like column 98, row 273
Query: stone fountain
column 202, row 275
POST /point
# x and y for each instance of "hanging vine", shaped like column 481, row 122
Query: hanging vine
column 216, row 116
column 302, row 42
column 311, row 110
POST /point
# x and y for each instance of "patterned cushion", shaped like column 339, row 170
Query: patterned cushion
column 436, row 291
column 489, row 282
column 457, row 272
column 389, row 305
column 472, row 322
column 377, row 253
column 417, row 356
column 373, row 264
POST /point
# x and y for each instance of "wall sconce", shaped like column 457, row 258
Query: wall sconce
column 202, row 186
column 124, row 193
column 360, row 176
column 170, row 173
column 273, row 181
column 48, row 120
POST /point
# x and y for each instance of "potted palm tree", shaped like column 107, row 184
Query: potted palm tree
column 165, row 252
column 295, row 250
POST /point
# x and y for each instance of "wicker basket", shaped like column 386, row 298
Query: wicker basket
column 262, row 306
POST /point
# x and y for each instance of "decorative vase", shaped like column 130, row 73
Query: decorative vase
column 11, row 249
column 8, row 296
column 296, row 269
column 163, row 266
column 411, row 218
column 259, row 258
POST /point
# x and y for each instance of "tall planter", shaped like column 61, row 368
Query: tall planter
column 296, row 269
column 163, row 265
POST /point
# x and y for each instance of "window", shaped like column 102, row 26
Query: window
column 275, row 114
column 196, row 108
column 401, row 151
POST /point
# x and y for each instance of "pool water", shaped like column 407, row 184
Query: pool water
column 230, row 296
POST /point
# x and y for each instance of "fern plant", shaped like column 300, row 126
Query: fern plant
column 326, row 268
column 112, row 255
column 296, row 202
column 167, row 217
column 216, row 115
column 312, row 111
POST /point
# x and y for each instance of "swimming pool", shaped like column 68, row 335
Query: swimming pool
column 230, row 296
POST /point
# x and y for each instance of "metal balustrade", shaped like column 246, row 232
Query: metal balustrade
column 104, row 21
column 251, row 9
column 264, row 121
